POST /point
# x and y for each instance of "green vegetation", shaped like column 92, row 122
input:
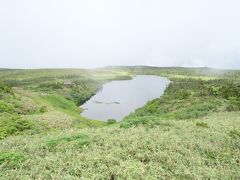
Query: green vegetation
column 202, row 124
column 111, row 121
column 48, row 99
column 189, row 99
column 191, row 132
column 62, row 104
column 171, row 150
column 234, row 133
column 81, row 140
column 13, row 125
column 11, row 159
column 4, row 88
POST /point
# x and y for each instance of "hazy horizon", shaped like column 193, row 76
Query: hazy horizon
column 93, row 34
column 100, row 67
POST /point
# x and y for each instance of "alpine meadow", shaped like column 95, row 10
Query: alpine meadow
column 191, row 132
column 119, row 90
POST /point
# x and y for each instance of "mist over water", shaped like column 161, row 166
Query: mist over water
column 119, row 98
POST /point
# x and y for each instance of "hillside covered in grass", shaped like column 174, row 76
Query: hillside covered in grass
column 34, row 101
column 191, row 132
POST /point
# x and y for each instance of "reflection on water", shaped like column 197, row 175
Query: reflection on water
column 117, row 99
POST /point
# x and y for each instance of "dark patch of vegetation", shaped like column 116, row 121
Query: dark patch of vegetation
column 202, row 124
column 80, row 95
column 81, row 140
column 43, row 109
column 11, row 159
column 13, row 125
column 51, row 85
column 122, row 78
column 149, row 121
column 211, row 155
column 111, row 121
column 5, row 88
column 6, row 107
column 234, row 133
column 83, row 90
column 231, row 92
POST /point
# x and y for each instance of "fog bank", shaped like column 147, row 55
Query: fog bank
column 93, row 33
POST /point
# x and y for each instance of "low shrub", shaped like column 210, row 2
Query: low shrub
column 43, row 109
column 149, row 121
column 231, row 107
column 5, row 107
column 80, row 95
column 51, row 85
column 111, row 121
column 202, row 124
column 234, row 133
column 12, row 125
column 11, row 159
column 81, row 140
column 5, row 88
column 233, row 104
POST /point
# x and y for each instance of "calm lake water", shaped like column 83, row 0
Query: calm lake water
column 117, row 99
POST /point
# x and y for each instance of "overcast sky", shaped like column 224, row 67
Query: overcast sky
column 96, row 33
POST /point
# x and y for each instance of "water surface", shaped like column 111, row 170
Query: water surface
column 117, row 99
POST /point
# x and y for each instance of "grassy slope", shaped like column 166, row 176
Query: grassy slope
column 180, row 149
column 40, row 100
column 154, row 145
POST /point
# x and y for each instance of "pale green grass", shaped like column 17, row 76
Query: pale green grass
column 172, row 150
column 99, row 74
column 206, row 148
column 205, row 78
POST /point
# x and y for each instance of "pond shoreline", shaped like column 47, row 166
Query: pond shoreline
column 118, row 98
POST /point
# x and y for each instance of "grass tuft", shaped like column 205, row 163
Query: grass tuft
column 11, row 159
column 81, row 140
column 234, row 133
column 202, row 124
column 14, row 125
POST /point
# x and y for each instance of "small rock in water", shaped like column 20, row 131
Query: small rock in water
column 113, row 103
column 98, row 102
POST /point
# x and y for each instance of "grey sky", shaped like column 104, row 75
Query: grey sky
column 93, row 33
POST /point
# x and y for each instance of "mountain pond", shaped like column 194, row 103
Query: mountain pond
column 117, row 99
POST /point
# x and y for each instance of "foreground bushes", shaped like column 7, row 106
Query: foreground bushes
column 202, row 149
column 149, row 121
column 4, row 88
column 79, row 140
column 5, row 107
column 11, row 159
column 13, row 125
